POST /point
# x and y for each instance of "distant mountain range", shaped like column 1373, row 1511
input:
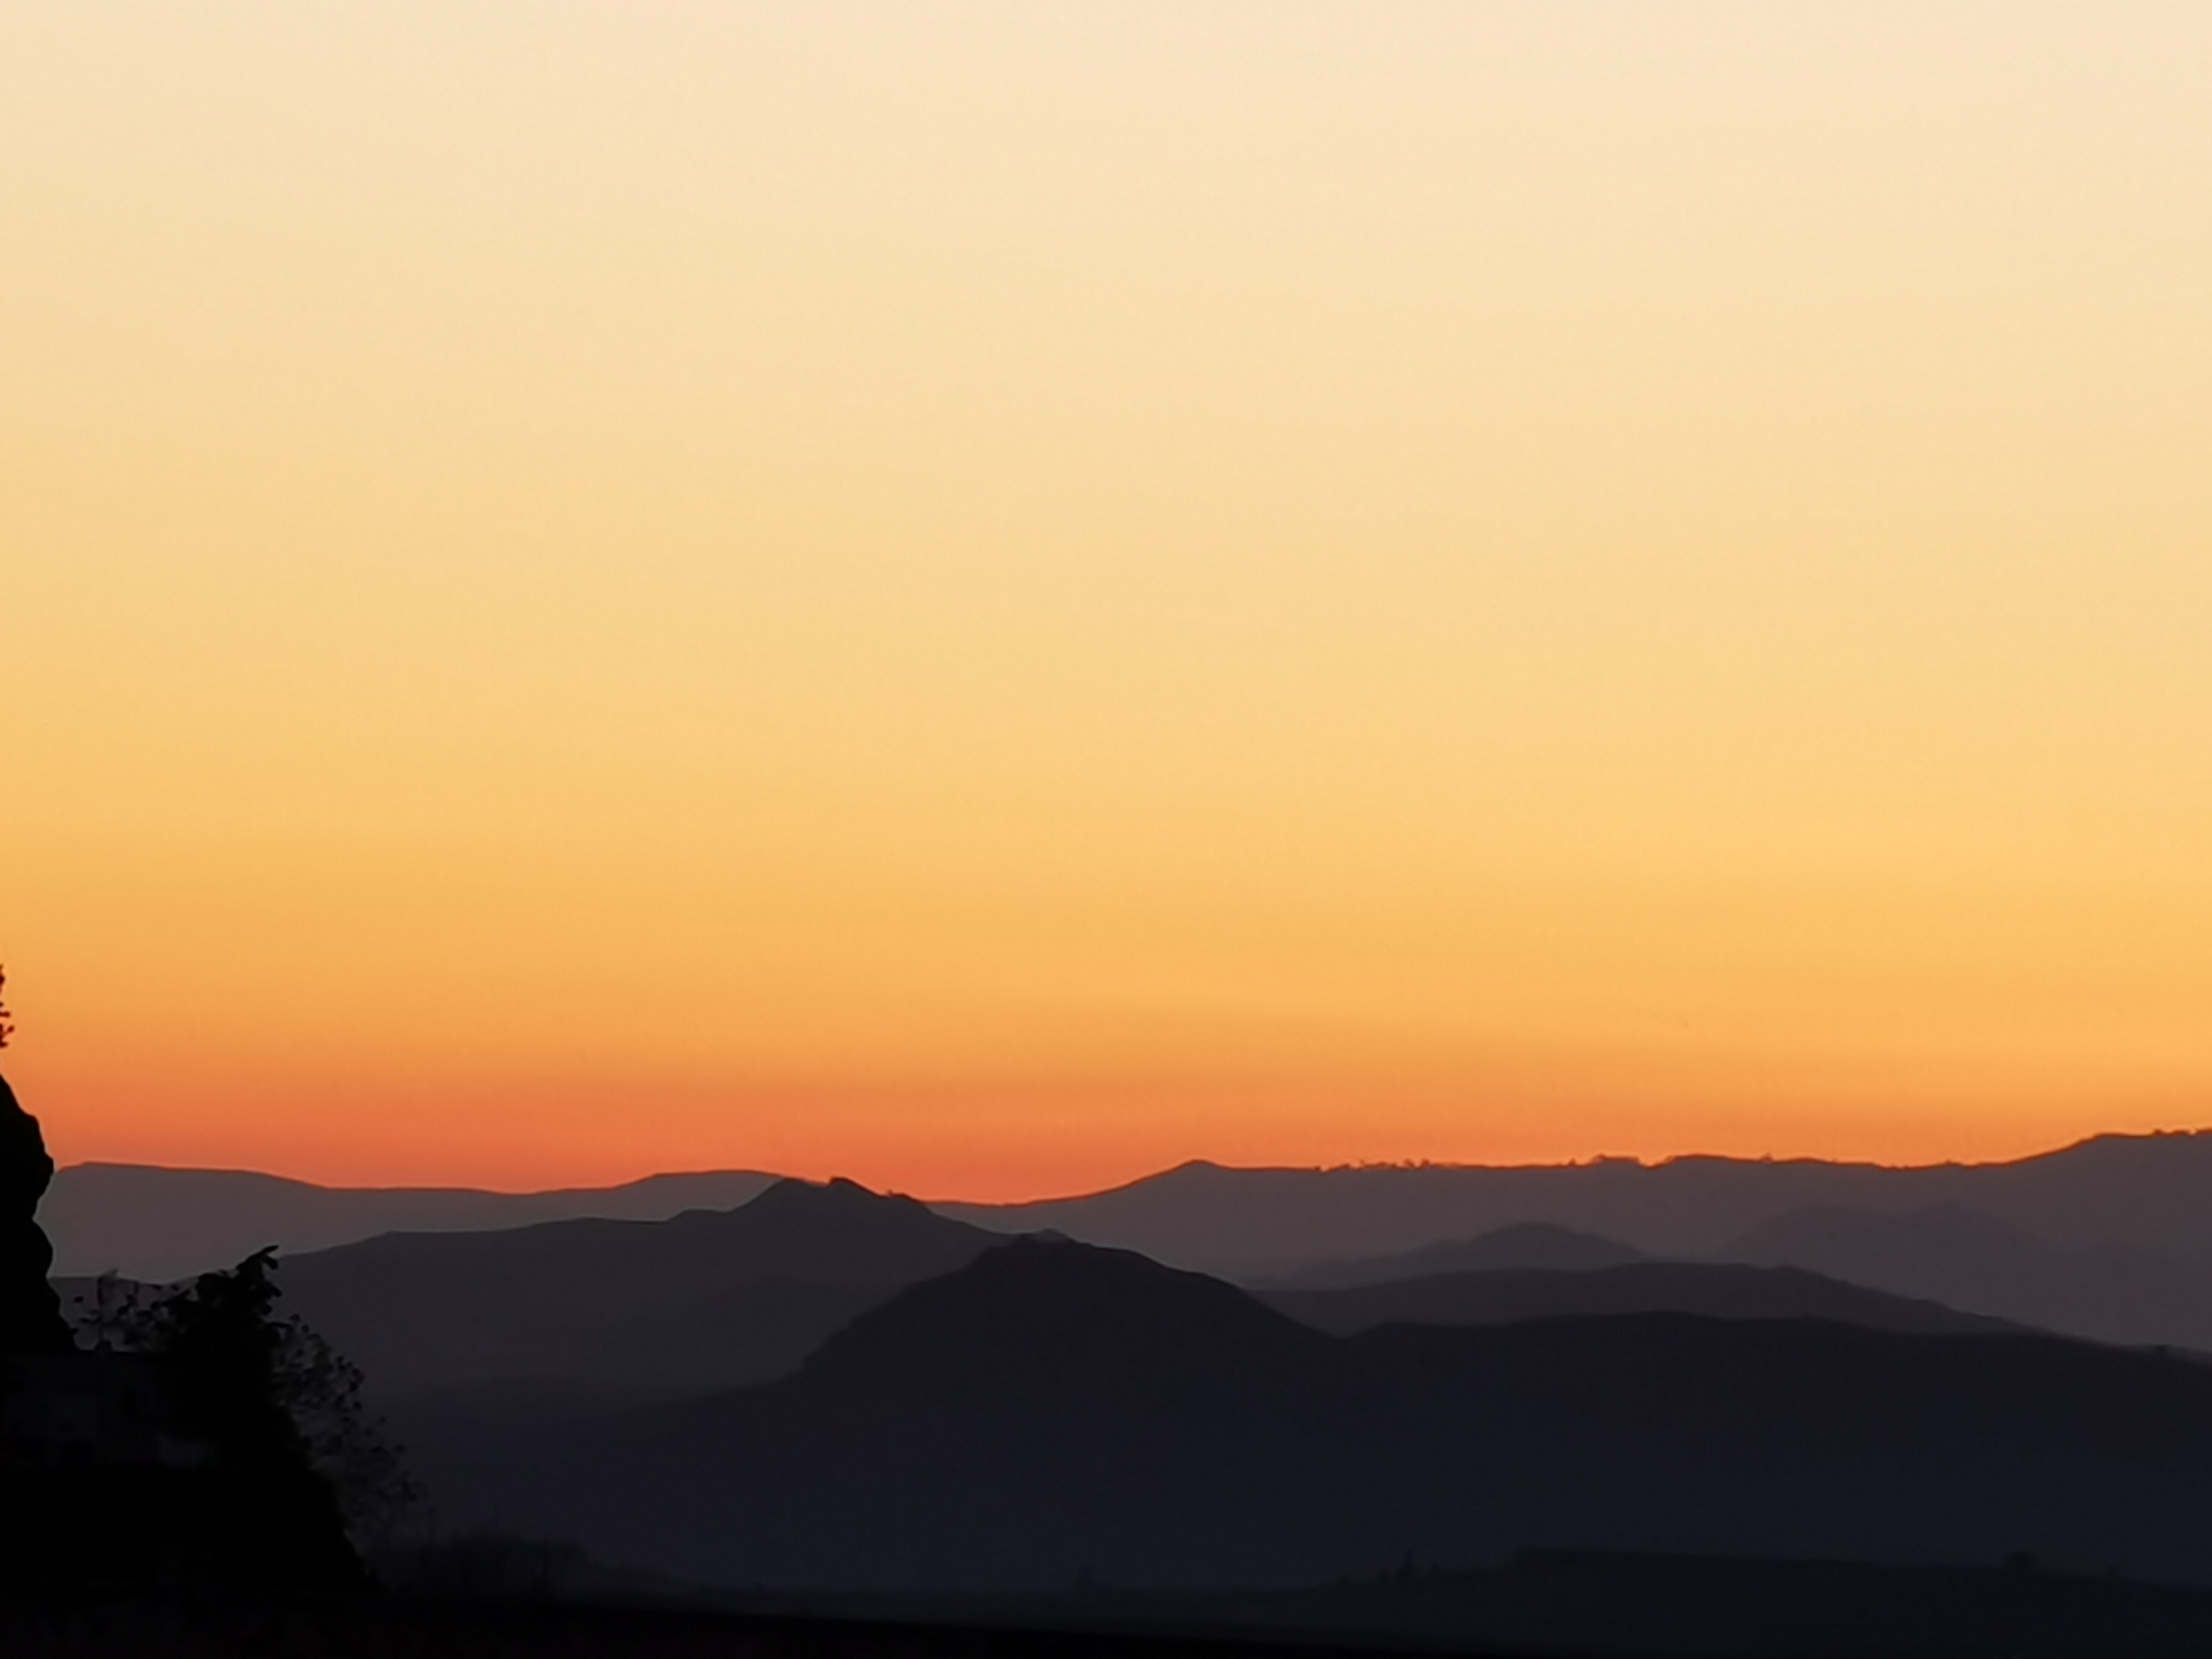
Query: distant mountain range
column 1710, row 1290
column 570, row 1317
column 2116, row 1289
column 1524, row 1246
column 1052, row 1412
column 158, row 1225
column 2145, row 1192
column 2111, row 1238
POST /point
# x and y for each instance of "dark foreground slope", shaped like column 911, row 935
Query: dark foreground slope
column 1053, row 1412
column 704, row 1300
column 1594, row 1604
column 369, row 1629
column 1711, row 1290
column 1597, row 1606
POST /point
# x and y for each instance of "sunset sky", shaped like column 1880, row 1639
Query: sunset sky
column 993, row 596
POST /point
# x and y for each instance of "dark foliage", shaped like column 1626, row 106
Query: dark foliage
column 278, row 1403
column 192, row 1447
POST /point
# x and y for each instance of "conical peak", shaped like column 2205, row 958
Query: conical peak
column 835, row 1195
column 1033, row 1300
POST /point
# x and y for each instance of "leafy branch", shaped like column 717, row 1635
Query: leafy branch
column 271, row 1387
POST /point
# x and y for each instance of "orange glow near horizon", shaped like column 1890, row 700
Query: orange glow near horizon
column 1000, row 1147
column 993, row 596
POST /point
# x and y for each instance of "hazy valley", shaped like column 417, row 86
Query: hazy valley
column 819, row 1388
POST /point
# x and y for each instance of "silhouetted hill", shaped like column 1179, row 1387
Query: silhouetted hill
column 577, row 1310
column 1711, row 1290
column 1051, row 1412
column 161, row 1225
column 922, row 1445
column 2117, row 1292
column 1525, row 1245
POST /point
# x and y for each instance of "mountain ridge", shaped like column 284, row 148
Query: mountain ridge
column 1052, row 1410
column 1520, row 1246
column 2110, row 1239
column 2147, row 1188
column 703, row 1299
column 158, row 1225
column 1706, row 1289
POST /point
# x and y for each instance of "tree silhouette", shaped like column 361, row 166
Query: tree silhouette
column 321, row 1390
column 274, row 1396
column 114, row 1313
column 6, row 1030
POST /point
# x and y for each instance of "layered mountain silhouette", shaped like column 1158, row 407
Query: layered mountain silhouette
column 1051, row 1412
column 1713, row 1290
column 572, row 1317
column 1474, row 1405
column 590, row 1309
column 2111, row 1238
column 159, row 1226
column 1525, row 1246
column 2116, row 1291
column 2146, row 1191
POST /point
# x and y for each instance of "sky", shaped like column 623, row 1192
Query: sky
column 990, row 597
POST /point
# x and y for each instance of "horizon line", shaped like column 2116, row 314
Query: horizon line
column 1409, row 1166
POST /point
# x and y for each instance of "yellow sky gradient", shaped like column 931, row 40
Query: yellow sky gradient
column 991, row 596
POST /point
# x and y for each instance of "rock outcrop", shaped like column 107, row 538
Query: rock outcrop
column 30, row 1314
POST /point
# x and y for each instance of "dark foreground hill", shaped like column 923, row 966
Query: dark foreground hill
column 1053, row 1412
column 159, row 1226
column 1714, row 1290
column 580, row 1310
